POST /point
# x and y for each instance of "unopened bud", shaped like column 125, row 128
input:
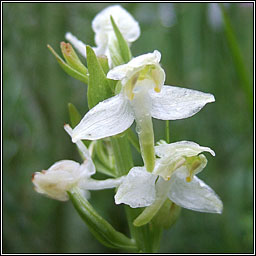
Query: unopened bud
column 72, row 58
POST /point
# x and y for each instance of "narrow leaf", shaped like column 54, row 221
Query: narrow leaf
column 242, row 73
column 74, row 115
column 68, row 69
column 98, row 226
column 123, row 45
column 98, row 87
column 103, row 60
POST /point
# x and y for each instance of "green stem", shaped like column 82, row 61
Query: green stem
column 167, row 131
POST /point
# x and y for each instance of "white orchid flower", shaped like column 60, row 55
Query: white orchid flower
column 104, row 33
column 143, row 96
column 176, row 167
column 66, row 174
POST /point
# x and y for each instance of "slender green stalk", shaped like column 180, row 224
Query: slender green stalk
column 167, row 131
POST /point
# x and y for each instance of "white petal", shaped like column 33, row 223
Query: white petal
column 120, row 72
column 146, row 59
column 138, row 188
column 194, row 195
column 181, row 148
column 126, row 70
column 108, row 118
column 128, row 26
column 79, row 45
column 176, row 103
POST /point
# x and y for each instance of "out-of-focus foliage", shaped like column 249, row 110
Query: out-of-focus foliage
column 195, row 54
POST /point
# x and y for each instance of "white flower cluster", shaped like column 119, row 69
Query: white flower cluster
column 172, row 174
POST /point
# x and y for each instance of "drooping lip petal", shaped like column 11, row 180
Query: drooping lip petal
column 174, row 103
column 194, row 195
column 138, row 188
column 108, row 118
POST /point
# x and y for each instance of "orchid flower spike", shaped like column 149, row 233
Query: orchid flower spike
column 142, row 97
column 104, row 33
column 174, row 177
column 64, row 175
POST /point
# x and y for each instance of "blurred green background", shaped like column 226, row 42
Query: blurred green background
column 198, row 52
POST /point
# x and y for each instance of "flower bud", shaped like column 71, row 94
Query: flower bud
column 72, row 58
column 59, row 178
